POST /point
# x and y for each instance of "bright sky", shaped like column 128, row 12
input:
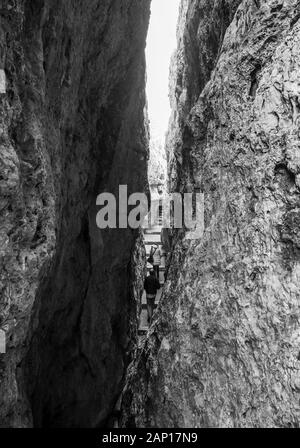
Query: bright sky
column 161, row 43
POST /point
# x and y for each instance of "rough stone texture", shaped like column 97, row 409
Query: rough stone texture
column 71, row 126
column 137, row 278
column 224, row 350
column 200, row 32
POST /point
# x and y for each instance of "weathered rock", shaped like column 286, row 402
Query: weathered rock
column 224, row 349
column 201, row 28
column 71, row 126
column 137, row 278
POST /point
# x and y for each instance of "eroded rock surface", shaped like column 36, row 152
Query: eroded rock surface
column 72, row 101
column 224, row 349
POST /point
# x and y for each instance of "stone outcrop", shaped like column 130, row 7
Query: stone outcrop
column 72, row 125
column 224, row 348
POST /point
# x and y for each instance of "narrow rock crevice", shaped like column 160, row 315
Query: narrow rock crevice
column 223, row 350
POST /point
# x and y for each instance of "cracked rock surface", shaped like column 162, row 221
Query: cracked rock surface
column 72, row 81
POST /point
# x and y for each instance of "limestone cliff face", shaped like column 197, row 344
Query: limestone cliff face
column 201, row 28
column 224, row 349
column 71, row 126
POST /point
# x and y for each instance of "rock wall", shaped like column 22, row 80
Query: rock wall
column 224, row 348
column 72, row 125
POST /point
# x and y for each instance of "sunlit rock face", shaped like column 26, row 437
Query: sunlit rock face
column 72, row 100
column 224, row 349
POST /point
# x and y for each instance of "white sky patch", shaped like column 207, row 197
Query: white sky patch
column 2, row 342
column 161, row 43
column 2, row 81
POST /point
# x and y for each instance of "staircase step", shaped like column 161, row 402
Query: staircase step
column 149, row 237
column 153, row 225
column 152, row 232
column 153, row 243
column 161, row 268
column 144, row 306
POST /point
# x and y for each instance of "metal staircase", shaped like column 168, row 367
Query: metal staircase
column 152, row 237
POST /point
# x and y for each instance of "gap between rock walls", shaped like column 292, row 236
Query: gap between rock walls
column 76, row 347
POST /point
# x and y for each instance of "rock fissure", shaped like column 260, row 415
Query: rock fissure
column 223, row 350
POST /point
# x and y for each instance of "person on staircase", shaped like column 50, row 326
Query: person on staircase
column 165, row 236
column 151, row 286
column 157, row 261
